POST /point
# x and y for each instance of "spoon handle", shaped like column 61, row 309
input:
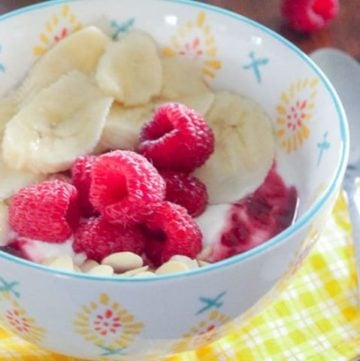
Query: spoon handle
column 353, row 196
column 344, row 73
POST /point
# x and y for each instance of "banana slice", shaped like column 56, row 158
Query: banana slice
column 183, row 83
column 244, row 148
column 60, row 123
column 8, row 109
column 4, row 225
column 12, row 180
column 123, row 126
column 130, row 70
column 181, row 78
column 78, row 51
column 201, row 102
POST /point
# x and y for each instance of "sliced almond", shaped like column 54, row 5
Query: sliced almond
column 88, row 265
column 64, row 263
column 202, row 263
column 172, row 267
column 135, row 271
column 103, row 270
column 191, row 263
column 123, row 261
column 205, row 253
column 77, row 269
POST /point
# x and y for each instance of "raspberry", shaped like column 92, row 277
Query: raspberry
column 47, row 211
column 309, row 15
column 127, row 212
column 169, row 231
column 98, row 238
column 81, row 179
column 122, row 183
column 176, row 138
column 187, row 191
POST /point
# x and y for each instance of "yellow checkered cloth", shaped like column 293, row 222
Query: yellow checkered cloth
column 314, row 318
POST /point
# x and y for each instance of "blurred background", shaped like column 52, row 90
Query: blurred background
column 343, row 32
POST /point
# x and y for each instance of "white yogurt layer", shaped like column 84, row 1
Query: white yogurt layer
column 39, row 251
column 212, row 222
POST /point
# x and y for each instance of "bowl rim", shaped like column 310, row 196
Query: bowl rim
column 275, row 241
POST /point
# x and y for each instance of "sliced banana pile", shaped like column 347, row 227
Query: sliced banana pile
column 89, row 94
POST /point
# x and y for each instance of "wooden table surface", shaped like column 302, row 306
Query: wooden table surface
column 343, row 32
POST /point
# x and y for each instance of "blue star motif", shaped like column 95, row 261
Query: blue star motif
column 9, row 287
column 255, row 64
column 108, row 351
column 210, row 303
column 323, row 146
column 121, row 27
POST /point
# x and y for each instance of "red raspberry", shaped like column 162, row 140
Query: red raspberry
column 177, row 138
column 187, row 191
column 170, row 230
column 127, row 213
column 81, row 179
column 309, row 15
column 98, row 238
column 122, row 183
column 48, row 211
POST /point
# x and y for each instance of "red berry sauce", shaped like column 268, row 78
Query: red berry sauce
column 258, row 217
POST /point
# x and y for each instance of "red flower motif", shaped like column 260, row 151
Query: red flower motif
column 107, row 323
column 296, row 115
column 208, row 329
column 192, row 48
column 208, row 333
column 17, row 321
column 63, row 33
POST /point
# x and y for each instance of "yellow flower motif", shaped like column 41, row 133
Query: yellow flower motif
column 206, row 331
column 195, row 40
column 57, row 28
column 106, row 324
column 294, row 112
column 16, row 320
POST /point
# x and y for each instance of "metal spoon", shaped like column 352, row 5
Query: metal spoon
column 344, row 73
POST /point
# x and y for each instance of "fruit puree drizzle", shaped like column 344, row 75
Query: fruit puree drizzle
column 258, row 217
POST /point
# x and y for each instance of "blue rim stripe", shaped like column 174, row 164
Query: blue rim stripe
column 301, row 222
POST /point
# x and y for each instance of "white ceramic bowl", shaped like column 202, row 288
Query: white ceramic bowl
column 168, row 314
